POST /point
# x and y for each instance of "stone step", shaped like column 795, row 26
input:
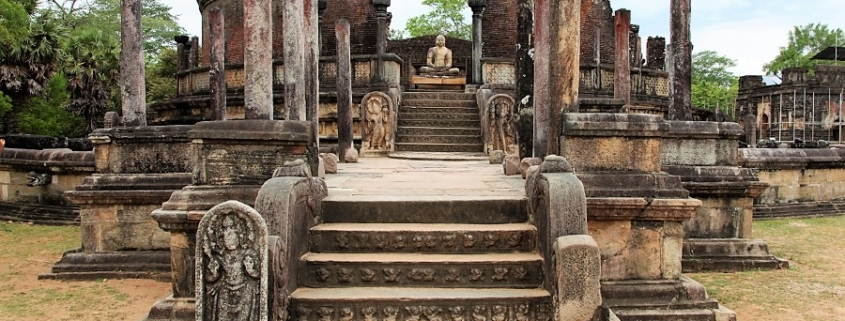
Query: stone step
column 433, row 147
column 471, row 103
column 665, row 315
column 366, row 303
column 441, row 123
column 404, row 111
column 423, row 238
column 412, row 130
column 439, row 139
column 442, row 95
column 436, row 209
column 488, row 270
column 453, row 116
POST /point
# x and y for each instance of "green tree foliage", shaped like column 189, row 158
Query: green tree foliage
column 14, row 20
column 161, row 77
column 804, row 42
column 446, row 18
column 46, row 115
column 93, row 74
column 713, row 86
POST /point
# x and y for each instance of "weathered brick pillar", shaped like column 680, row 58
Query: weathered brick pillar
column 477, row 42
column 381, row 35
column 622, row 64
column 557, row 59
column 194, row 53
column 344, row 89
column 132, row 87
column 258, row 61
column 656, row 53
column 525, row 77
column 182, row 47
column 217, row 74
column 294, row 54
column 680, row 99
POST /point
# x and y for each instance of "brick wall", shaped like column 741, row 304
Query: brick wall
column 363, row 26
column 499, row 29
column 597, row 15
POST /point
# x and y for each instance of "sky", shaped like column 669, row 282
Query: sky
column 748, row 31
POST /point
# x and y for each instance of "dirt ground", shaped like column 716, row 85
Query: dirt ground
column 812, row 289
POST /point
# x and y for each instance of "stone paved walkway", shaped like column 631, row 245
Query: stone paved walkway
column 390, row 178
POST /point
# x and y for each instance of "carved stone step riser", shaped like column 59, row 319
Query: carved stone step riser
column 438, row 131
column 426, row 116
column 423, row 242
column 441, row 275
column 439, row 148
column 405, row 110
column 497, row 211
column 437, row 96
column 439, row 139
column 439, row 103
column 439, row 123
column 693, row 315
column 512, row 309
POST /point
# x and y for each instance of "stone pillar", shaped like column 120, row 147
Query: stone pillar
column 294, row 55
column 312, row 74
column 182, row 48
column 132, row 87
column 381, row 34
column 636, row 45
column 477, row 12
column 557, row 58
column 680, row 101
column 258, row 61
column 656, row 52
column 622, row 65
column 217, row 74
column 194, row 53
column 525, row 77
column 344, row 89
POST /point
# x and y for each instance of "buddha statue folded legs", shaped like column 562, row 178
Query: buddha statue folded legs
column 439, row 60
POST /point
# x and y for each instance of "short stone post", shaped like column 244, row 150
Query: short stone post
column 217, row 74
column 258, row 61
column 525, row 77
column 232, row 264
column 477, row 7
column 622, row 64
column 578, row 274
column 344, row 88
column 132, row 87
column 557, row 58
column 279, row 202
column 680, row 100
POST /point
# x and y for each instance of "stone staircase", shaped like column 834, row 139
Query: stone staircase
column 439, row 121
column 422, row 260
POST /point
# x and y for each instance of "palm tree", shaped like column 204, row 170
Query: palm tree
column 92, row 74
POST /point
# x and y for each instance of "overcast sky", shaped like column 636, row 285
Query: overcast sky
column 748, row 31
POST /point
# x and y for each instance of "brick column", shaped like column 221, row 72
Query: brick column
column 132, row 86
column 258, row 61
column 680, row 98
column 557, row 58
column 344, row 89
column 622, row 64
column 217, row 74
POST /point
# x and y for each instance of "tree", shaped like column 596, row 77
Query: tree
column 161, row 77
column 14, row 20
column 713, row 86
column 804, row 42
column 46, row 114
column 93, row 75
column 446, row 18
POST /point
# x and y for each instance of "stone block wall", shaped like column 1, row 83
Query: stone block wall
column 798, row 176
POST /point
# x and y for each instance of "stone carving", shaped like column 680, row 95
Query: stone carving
column 378, row 113
column 421, row 275
column 368, row 275
column 439, row 60
column 345, row 275
column 323, row 275
column 457, row 313
column 500, row 274
column 500, row 313
column 469, row 240
column 500, row 124
column 369, row 313
column 432, row 313
column 303, row 313
column 453, row 275
column 231, row 267
column 111, row 120
column 414, row 313
column 476, row 275
column 479, row 313
column 325, row 313
column 346, row 314
column 520, row 273
column 38, row 179
column 391, row 275
column 522, row 312
column 390, row 313
column 490, row 240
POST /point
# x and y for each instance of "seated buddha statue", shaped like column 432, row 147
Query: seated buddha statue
column 439, row 60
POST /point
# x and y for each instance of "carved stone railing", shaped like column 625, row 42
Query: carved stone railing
column 195, row 81
column 498, row 73
column 649, row 87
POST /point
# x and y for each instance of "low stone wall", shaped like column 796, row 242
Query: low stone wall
column 802, row 182
column 33, row 183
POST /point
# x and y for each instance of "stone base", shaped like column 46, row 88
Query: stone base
column 78, row 265
column 729, row 255
column 173, row 309
column 439, row 83
column 682, row 300
column 374, row 153
column 39, row 214
column 809, row 209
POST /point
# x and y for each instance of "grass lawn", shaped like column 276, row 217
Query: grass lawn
column 812, row 289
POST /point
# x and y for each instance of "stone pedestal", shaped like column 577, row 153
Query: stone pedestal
column 635, row 213
column 719, row 238
column 232, row 160
column 137, row 169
